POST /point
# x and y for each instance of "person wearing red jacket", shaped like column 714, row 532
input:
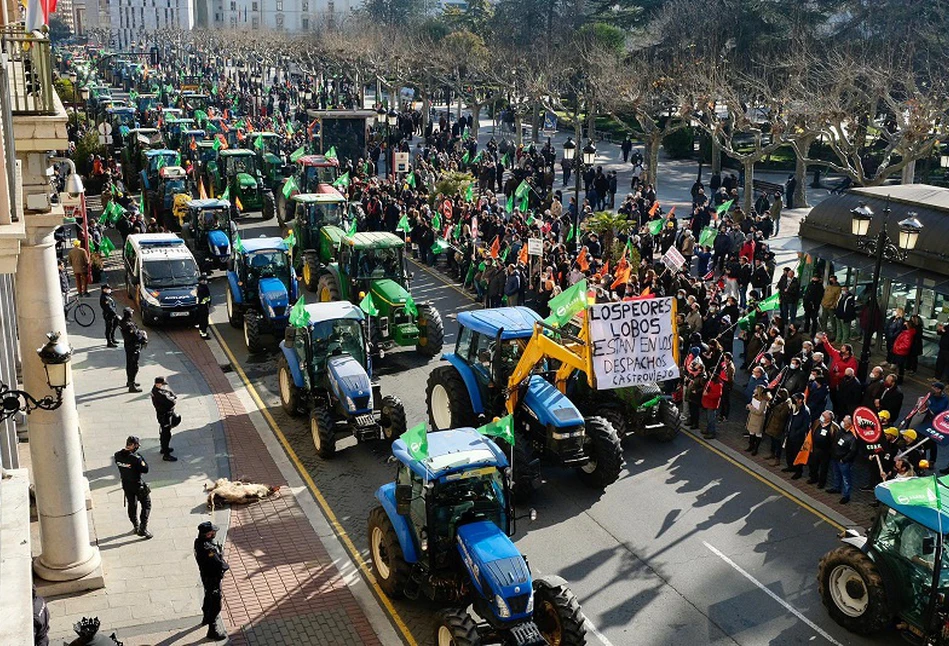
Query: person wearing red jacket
column 711, row 399
column 840, row 360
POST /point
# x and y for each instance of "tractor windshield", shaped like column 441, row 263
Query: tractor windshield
column 269, row 264
column 342, row 336
column 466, row 496
column 181, row 272
column 173, row 186
column 319, row 215
column 313, row 176
column 126, row 119
column 211, row 219
column 243, row 164
column 375, row 264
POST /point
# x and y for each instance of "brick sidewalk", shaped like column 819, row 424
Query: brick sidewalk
column 282, row 587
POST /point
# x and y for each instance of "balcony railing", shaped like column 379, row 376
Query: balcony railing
column 29, row 72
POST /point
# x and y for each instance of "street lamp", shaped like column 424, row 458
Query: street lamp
column 587, row 157
column 55, row 356
column 881, row 246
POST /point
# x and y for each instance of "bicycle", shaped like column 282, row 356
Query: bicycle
column 82, row 313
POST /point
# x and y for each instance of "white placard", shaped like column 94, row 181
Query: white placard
column 673, row 259
column 633, row 342
column 401, row 162
column 104, row 128
column 535, row 247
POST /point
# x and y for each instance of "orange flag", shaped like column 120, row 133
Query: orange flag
column 604, row 270
column 622, row 274
column 202, row 192
column 582, row 260
column 671, row 211
column 653, row 208
column 645, row 292
column 804, row 455
column 496, row 247
column 522, row 256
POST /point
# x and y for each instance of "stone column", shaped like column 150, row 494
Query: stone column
column 55, row 449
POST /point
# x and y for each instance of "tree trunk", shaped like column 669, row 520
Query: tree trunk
column 426, row 108
column 591, row 127
column 535, row 124
column 909, row 173
column 518, row 122
column 653, row 143
column 800, row 176
column 749, row 191
column 716, row 156
column 475, row 118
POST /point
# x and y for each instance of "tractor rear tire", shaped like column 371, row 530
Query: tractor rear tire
column 269, row 209
column 447, row 392
column 388, row 561
column 614, row 412
column 252, row 332
column 455, row 627
column 323, row 431
column 327, row 289
column 289, row 393
column 234, row 315
column 557, row 612
column 852, row 590
column 605, row 454
column 280, row 206
column 430, row 322
column 392, row 419
column 311, row 270
column 671, row 419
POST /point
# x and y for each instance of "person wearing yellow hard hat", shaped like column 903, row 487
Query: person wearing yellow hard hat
column 908, row 439
column 882, row 457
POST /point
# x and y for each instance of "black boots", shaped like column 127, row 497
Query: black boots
column 143, row 532
column 755, row 443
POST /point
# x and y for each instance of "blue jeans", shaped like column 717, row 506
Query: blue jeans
column 842, row 477
column 789, row 312
column 711, row 419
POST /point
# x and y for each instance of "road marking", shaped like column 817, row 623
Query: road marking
column 317, row 494
column 589, row 626
column 820, row 631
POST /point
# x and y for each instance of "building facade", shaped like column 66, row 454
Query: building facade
column 130, row 19
column 277, row 15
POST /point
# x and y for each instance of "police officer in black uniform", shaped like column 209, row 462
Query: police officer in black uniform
column 131, row 467
column 109, row 313
column 204, row 305
column 134, row 340
column 164, row 400
column 209, row 555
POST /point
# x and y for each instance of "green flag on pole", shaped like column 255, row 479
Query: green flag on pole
column 403, row 224
column 567, row 303
column 571, row 233
column 525, row 204
column 707, row 237
column 217, row 144
column 724, row 208
column 331, row 153
column 290, row 240
column 770, row 304
column 410, row 305
column 106, row 247
column 464, row 158
column 441, row 245
column 469, row 193
column 342, row 180
column 297, row 154
column 351, row 231
column 410, row 179
column 226, row 195
column 509, row 207
column 916, row 492
column 416, row 440
column 437, row 223
column 523, row 190
column 238, row 244
column 259, row 142
column 456, row 232
column 141, row 204
column 477, row 157
column 501, row 428
column 289, row 187
column 506, row 160
column 299, row 317
column 654, row 227
column 368, row 306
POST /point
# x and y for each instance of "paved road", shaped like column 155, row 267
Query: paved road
column 677, row 551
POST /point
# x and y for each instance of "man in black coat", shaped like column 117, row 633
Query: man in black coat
column 891, row 399
column 848, row 395
column 873, row 389
column 211, row 564
column 799, row 423
column 164, row 400
column 134, row 340
column 109, row 314
column 131, row 468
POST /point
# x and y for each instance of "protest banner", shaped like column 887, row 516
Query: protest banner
column 673, row 259
column 633, row 342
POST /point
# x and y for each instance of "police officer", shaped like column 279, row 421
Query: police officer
column 164, row 399
column 110, row 314
column 204, row 305
column 212, row 566
column 133, row 339
column 131, row 467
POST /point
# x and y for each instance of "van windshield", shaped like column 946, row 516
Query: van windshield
column 181, row 272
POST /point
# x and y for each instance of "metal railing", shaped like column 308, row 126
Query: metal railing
column 28, row 61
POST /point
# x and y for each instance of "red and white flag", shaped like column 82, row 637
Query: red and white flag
column 37, row 13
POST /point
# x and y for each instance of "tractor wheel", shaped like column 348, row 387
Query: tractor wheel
column 323, row 430
column 289, row 393
column 311, row 270
column 431, row 331
column 392, row 572
column 557, row 612
column 269, row 209
column 327, row 289
column 671, row 420
column 252, row 332
column 281, row 207
column 852, row 590
column 392, row 419
column 455, row 627
column 614, row 412
column 446, row 397
column 603, row 447
column 526, row 470
column 234, row 314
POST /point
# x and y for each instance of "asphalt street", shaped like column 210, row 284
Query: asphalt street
column 686, row 548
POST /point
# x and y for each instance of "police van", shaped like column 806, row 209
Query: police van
column 161, row 277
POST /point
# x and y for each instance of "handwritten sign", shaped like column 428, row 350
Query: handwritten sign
column 535, row 247
column 633, row 342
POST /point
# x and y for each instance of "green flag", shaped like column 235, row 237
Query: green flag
column 297, row 154
column 747, row 322
column 342, row 180
column 504, row 254
column 410, row 179
column 290, row 240
column 501, row 428
column 456, row 232
column 770, row 304
column 567, row 303
column 141, row 204
column 289, row 187
column 106, row 247
column 477, row 157
column 523, row 190
column 571, row 233
column 464, row 158
column 530, row 219
column 654, row 227
column 510, row 203
column 226, row 195
column 440, row 246
column 469, row 193
column 707, row 237
column 416, row 440
column 238, row 244
column 368, row 306
column 724, row 208
column 525, row 204
column 331, row 153
column 410, row 305
column 916, row 492
column 299, row 317
column 403, row 224
column 437, row 223
column 351, row 231
column 217, row 144
column 506, row 160
column 259, row 142
column 160, row 163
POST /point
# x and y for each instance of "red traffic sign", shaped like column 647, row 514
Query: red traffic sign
column 941, row 423
column 867, row 425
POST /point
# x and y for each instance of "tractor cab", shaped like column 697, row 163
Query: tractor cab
column 208, row 230
column 190, row 140
column 122, row 119
column 313, row 174
column 238, row 172
column 260, row 288
column 173, row 190
column 175, row 129
column 146, row 103
column 335, row 331
column 138, row 141
column 269, row 156
column 312, row 212
column 192, row 101
column 169, row 116
column 153, row 160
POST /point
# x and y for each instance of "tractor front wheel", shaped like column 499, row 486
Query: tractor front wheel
column 671, row 421
column 557, row 612
column 851, row 589
column 605, row 453
column 269, row 209
column 446, row 397
column 455, row 627
column 392, row 572
column 614, row 412
column 234, row 315
column 323, row 431
column 252, row 332
column 431, row 331
column 311, row 271
column 289, row 393
column 281, row 207
column 392, row 419
column 327, row 289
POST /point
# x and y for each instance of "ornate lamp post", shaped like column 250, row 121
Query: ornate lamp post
column 588, row 156
column 55, row 356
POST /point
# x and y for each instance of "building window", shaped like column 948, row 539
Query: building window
column 279, row 5
column 233, row 21
column 305, row 23
column 304, row 6
column 331, row 7
column 233, row 6
column 253, row 6
column 255, row 23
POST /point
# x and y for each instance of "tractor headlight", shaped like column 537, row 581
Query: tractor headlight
column 151, row 298
column 503, row 611
column 270, row 312
column 530, row 604
column 349, row 403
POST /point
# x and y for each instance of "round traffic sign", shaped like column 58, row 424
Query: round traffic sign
column 941, row 423
column 867, row 425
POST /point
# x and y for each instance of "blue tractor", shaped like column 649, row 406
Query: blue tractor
column 260, row 287
column 325, row 370
column 207, row 228
column 480, row 383
column 442, row 531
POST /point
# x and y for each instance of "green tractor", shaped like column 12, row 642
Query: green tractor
column 325, row 370
column 312, row 174
column 238, row 175
column 898, row 573
column 311, row 213
column 266, row 145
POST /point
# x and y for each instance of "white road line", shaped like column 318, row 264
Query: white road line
column 589, row 626
column 820, row 631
